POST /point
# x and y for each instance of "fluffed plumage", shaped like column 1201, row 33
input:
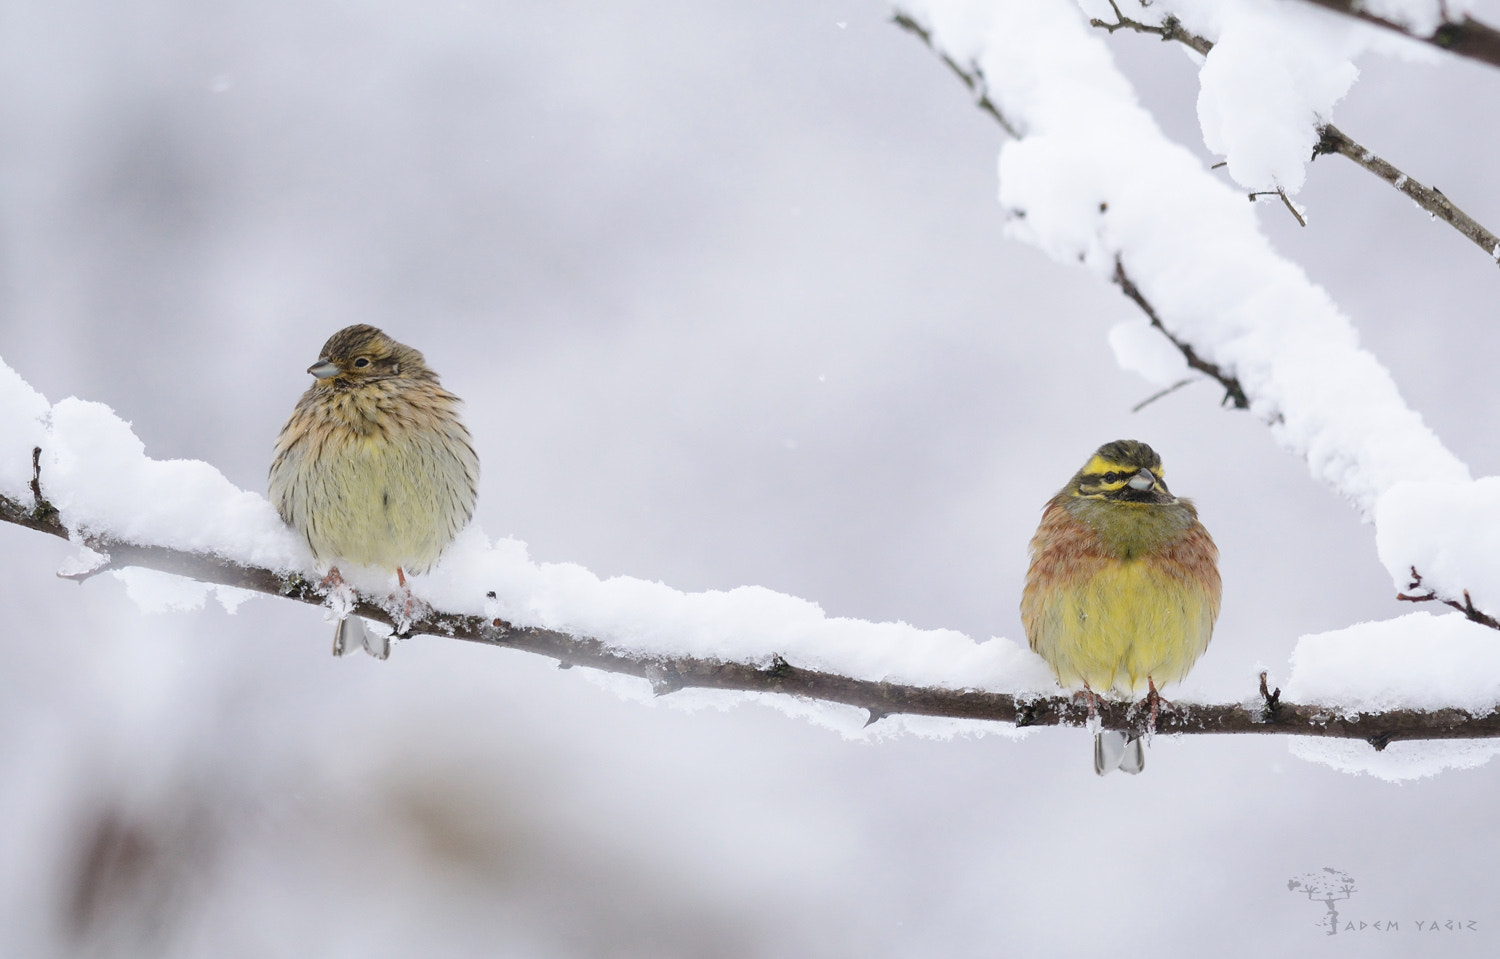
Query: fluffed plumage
column 1123, row 588
column 374, row 468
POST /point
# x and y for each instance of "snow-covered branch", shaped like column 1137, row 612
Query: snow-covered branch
column 1091, row 180
column 1465, row 37
column 1331, row 140
column 774, row 673
column 1234, row 393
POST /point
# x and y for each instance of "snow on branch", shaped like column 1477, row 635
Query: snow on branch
column 773, row 672
column 1234, row 393
column 76, row 471
column 1331, row 140
column 1465, row 37
column 1091, row 180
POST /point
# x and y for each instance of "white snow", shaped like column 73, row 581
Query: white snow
column 1399, row 761
column 1450, row 532
column 1417, row 661
column 1140, row 348
column 1274, row 73
column 22, row 414
column 157, row 592
column 1189, row 242
column 748, row 623
column 96, row 472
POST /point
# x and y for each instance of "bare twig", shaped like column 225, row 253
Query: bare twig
column 1170, row 29
column 776, row 675
column 1467, row 607
column 1281, row 193
column 1272, row 700
column 1466, row 38
column 970, row 76
column 1233, row 392
column 1333, row 140
column 1160, row 393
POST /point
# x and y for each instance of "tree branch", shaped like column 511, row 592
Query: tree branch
column 1473, row 613
column 1332, row 140
column 1234, row 393
column 1170, row 29
column 1284, row 199
column 970, row 75
column 1466, row 38
column 974, row 80
column 668, row 674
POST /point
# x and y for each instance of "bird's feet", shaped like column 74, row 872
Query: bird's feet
column 1091, row 700
column 1154, row 702
column 405, row 608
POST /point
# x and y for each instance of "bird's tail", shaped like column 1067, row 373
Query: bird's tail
column 1116, row 750
column 350, row 634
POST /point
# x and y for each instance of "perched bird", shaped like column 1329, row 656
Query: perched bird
column 374, row 468
column 1123, row 588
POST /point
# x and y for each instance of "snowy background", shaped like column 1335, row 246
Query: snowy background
column 728, row 294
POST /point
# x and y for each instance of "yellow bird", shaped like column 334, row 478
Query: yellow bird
column 374, row 468
column 1123, row 588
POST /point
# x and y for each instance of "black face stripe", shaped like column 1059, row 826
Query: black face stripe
column 1107, row 479
column 1132, row 495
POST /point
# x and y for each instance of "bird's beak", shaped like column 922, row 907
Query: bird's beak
column 323, row 369
column 1143, row 480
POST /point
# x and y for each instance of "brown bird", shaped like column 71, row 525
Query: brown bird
column 374, row 468
column 1123, row 588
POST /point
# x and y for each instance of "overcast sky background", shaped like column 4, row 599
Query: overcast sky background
column 726, row 292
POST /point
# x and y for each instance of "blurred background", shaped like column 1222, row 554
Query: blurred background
column 726, row 292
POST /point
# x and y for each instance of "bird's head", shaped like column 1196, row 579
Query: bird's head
column 1126, row 471
column 362, row 354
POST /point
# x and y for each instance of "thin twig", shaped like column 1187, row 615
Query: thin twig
column 1170, row 29
column 1281, row 193
column 1160, row 393
column 1233, row 392
column 776, row 675
column 1467, row 607
column 971, row 76
column 1271, row 700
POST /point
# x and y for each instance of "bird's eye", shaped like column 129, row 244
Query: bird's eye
column 1111, row 477
column 361, row 363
